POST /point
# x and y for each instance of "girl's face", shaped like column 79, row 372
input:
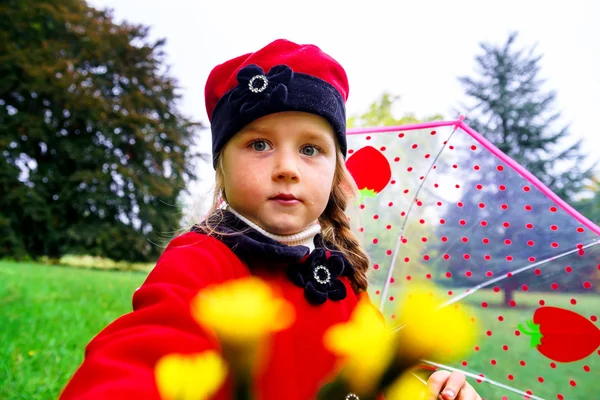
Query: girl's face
column 278, row 170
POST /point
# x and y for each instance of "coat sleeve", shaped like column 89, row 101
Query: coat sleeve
column 119, row 362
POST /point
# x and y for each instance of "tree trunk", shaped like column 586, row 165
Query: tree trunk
column 508, row 296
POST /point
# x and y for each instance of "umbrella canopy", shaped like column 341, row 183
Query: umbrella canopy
column 439, row 203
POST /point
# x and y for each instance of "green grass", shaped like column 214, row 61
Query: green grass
column 47, row 316
column 525, row 377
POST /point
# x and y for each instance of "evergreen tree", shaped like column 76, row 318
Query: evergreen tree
column 589, row 205
column 513, row 112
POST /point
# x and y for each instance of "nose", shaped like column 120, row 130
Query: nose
column 286, row 167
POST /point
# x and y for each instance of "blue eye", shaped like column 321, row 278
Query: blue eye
column 260, row 145
column 309, row 151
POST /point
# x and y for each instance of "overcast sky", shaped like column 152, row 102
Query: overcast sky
column 415, row 49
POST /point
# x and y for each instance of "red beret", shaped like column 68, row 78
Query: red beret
column 282, row 76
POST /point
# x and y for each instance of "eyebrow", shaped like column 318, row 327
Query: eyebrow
column 253, row 129
column 314, row 135
column 306, row 134
column 320, row 138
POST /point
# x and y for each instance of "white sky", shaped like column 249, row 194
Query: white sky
column 415, row 49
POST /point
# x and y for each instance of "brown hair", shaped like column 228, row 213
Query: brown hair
column 334, row 221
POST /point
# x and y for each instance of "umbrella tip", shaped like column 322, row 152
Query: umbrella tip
column 461, row 117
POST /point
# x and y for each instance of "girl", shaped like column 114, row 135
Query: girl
column 278, row 129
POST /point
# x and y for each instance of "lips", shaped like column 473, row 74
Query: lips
column 285, row 198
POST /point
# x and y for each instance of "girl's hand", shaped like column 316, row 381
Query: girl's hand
column 450, row 386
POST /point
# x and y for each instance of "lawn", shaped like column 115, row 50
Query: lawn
column 520, row 366
column 47, row 316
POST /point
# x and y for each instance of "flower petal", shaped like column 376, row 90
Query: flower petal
column 176, row 375
column 240, row 311
column 364, row 344
column 280, row 94
column 281, row 74
column 248, row 72
column 336, row 265
column 407, row 386
column 318, row 256
column 255, row 103
column 337, row 290
column 313, row 295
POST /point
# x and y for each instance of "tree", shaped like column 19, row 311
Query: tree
column 380, row 113
column 513, row 113
column 94, row 150
column 484, row 240
column 590, row 205
column 502, row 223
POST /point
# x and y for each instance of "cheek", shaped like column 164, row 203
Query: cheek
column 241, row 181
column 321, row 185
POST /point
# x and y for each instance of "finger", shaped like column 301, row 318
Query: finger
column 467, row 392
column 436, row 383
column 456, row 381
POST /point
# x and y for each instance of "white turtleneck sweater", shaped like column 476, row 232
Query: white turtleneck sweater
column 304, row 238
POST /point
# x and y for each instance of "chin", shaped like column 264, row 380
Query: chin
column 284, row 226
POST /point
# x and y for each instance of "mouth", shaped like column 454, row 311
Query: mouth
column 285, row 198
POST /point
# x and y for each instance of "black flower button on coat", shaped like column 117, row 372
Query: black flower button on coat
column 319, row 275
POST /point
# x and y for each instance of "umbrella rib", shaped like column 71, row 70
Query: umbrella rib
column 386, row 284
column 390, row 270
column 457, row 239
column 504, row 276
column 423, row 381
column 518, row 271
column 484, row 379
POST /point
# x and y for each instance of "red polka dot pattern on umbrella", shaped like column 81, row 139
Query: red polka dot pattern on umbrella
column 486, row 234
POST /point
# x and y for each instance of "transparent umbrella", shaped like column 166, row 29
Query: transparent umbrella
column 439, row 203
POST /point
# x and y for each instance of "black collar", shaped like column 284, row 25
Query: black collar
column 247, row 243
column 317, row 271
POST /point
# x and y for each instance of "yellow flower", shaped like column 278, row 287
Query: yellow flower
column 190, row 377
column 430, row 330
column 407, row 387
column 242, row 311
column 365, row 345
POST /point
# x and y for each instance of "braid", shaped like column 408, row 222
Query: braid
column 336, row 227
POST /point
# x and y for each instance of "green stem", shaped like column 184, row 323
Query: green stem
column 533, row 331
column 366, row 193
column 243, row 388
column 338, row 389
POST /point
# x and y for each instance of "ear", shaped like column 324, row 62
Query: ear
column 222, row 199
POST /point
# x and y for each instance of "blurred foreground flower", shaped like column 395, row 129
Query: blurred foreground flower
column 375, row 360
column 244, row 314
column 407, row 387
column 242, row 311
column 365, row 347
column 432, row 330
column 190, row 377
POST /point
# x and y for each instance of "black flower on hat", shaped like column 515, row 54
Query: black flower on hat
column 319, row 275
column 259, row 89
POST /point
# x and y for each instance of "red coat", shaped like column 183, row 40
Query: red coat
column 119, row 362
